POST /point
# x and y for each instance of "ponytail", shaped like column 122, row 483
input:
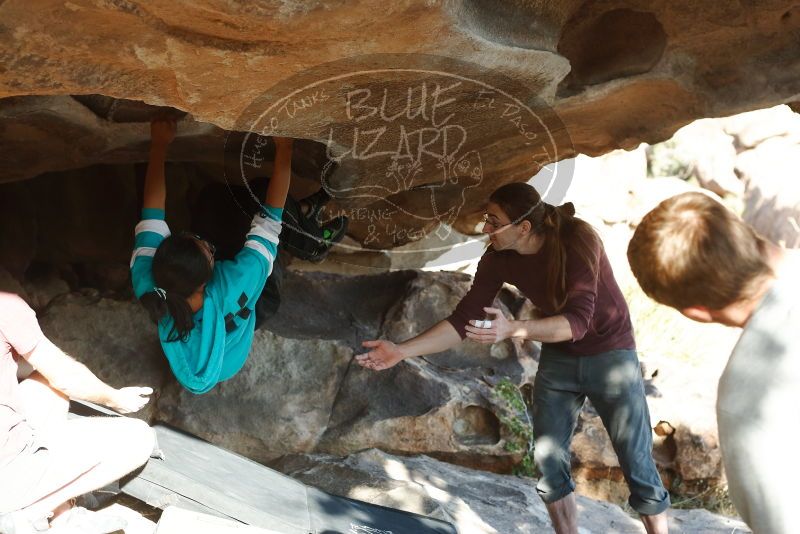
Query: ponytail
column 161, row 308
column 180, row 268
column 559, row 226
column 155, row 306
column 562, row 227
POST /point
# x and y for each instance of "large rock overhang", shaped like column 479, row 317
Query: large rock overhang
column 597, row 75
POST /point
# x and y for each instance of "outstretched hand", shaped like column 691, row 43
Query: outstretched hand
column 131, row 399
column 499, row 330
column 384, row 354
column 162, row 131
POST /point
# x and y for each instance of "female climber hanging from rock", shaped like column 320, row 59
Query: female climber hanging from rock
column 588, row 349
column 206, row 310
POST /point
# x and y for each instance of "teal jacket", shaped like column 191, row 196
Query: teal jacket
column 220, row 341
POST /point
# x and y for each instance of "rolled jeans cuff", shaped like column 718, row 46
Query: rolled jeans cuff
column 649, row 507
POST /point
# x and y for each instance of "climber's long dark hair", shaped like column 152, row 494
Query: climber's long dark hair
column 179, row 268
column 521, row 202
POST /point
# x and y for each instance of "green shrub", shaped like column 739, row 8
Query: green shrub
column 517, row 422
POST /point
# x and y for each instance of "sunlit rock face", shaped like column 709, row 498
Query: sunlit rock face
column 475, row 502
column 301, row 390
column 415, row 115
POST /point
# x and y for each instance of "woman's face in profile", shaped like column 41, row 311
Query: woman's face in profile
column 498, row 227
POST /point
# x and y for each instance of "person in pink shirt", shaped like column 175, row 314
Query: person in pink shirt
column 45, row 459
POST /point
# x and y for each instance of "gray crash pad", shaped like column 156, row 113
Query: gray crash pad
column 191, row 473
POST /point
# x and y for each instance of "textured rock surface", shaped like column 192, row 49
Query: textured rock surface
column 279, row 403
column 692, row 451
column 749, row 159
column 476, row 502
column 80, row 223
column 770, row 154
column 710, row 155
column 617, row 73
column 300, row 390
column 188, row 55
column 109, row 337
column 431, row 405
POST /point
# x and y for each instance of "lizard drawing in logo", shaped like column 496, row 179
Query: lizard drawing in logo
column 465, row 172
column 447, row 194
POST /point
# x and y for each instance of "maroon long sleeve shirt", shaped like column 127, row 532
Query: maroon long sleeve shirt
column 596, row 310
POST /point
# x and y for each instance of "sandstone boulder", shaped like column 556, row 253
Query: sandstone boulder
column 279, row 403
column 710, row 154
column 590, row 76
column 9, row 284
column 186, row 55
column 300, row 390
column 689, row 451
column 111, row 338
column 595, row 466
column 772, row 199
column 753, row 128
column 43, row 287
column 601, row 187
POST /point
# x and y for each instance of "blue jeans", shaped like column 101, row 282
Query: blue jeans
column 613, row 382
